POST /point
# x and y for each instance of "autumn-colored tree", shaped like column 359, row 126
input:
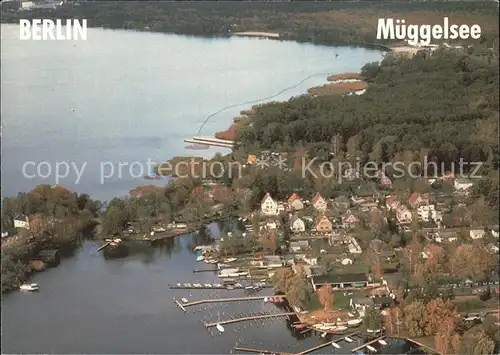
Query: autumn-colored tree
column 281, row 278
column 412, row 255
column 414, row 318
column 455, row 343
column 469, row 260
column 268, row 239
column 444, row 336
column 326, row 297
column 476, row 341
column 438, row 313
column 392, row 319
column 435, row 259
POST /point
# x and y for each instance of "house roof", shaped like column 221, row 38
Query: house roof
column 21, row 217
column 294, row 197
column 328, row 279
column 390, row 200
column 317, row 198
column 294, row 218
column 266, row 196
column 321, row 217
column 342, row 199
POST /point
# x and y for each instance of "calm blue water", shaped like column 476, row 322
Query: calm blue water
column 132, row 96
column 126, row 97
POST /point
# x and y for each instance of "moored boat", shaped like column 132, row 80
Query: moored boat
column 184, row 300
column 29, row 287
column 200, row 258
column 335, row 345
column 382, row 342
column 349, row 340
column 220, row 328
column 354, row 322
column 371, row 348
column 339, row 330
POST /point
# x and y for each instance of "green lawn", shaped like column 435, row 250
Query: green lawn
column 340, row 301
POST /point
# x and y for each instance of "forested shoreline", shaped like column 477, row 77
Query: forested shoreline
column 316, row 22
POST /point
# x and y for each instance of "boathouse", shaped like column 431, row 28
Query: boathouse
column 340, row 281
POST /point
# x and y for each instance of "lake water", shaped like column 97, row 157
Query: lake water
column 127, row 97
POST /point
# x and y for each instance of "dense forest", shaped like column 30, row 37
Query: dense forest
column 316, row 22
column 444, row 106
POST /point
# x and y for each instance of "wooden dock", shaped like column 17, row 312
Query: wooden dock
column 369, row 343
column 233, row 299
column 242, row 319
column 205, row 270
column 180, row 305
column 258, row 351
column 317, row 347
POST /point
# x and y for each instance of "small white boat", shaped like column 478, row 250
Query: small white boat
column 218, row 285
column 349, row 340
column 382, row 341
column 248, row 287
column 354, row 322
column 178, row 284
column 265, row 299
column 184, row 300
column 29, row 287
column 220, row 328
column 339, row 329
column 208, row 285
column 230, row 260
column 200, row 258
column 238, row 285
column 229, row 287
column 351, row 315
column 371, row 348
column 323, row 335
column 335, row 345
column 187, row 285
column 197, row 285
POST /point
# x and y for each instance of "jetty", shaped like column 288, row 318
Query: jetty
column 180, row 305
column 242, row 319
column 211, row 141
column 369, row 343
column 257, row 34
column 233, row 299
column 320, row 346
column 205, row 270
column 257, row 351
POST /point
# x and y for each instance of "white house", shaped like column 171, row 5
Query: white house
column 403, row 215
column 346, row 261
column 268, row 206
column 311, row 260
column 494, row 232
column 297, row 225
column 477, row 233
column 21, row 221
column 270, row 225
column 318, row 202
column 462, row 184
column 354, row 247
column 427, row 212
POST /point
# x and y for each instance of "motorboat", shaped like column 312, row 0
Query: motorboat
column 220, row 328
column 197, row 285
column 238, row 285
column 230, row 260
column 218, row 285
column 300, row 326
column 184, row 300
column 354, row 322
column 208, row 285
column 349, row 340
column 178, row 284
column 351, row 315
column 371, row 348
column 229, row 287
column 200, row 258
column 339, row 329
column 248, row 287
column 265, row 299
column 335, row 345
column 324, row 334
column 382, row 342
column 29, row 287
column 187, row 285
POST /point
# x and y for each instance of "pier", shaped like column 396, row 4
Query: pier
column 233, row 299
column 257, row 351
column 205, row 270
column 211, row 141
column 229, row 321
column 317, row 347
column 369, row 343
column 180, row 305
column 257, row 34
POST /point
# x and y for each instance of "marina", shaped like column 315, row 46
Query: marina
column 243, row 319
column 329, row 343
column 235, row 299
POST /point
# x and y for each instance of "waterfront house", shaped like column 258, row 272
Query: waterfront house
column 477, row 233
column 349, row 220
column 403, row 215
column 318, row 202
column 21, row 221
column 269, row 207
column 295, row 202
column 323, row 224
column 445, row 236
column 297, row 225
column 337, row 236
column 340, row 281
column 353, row 246
column 462, row 184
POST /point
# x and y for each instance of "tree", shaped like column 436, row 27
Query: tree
column 476, row 341
column 325, row 296
column 438, row 313
column 414, row 318
column 372, row 319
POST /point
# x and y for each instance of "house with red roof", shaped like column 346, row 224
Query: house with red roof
column 323, row 224
column 417, row 200
column 349, row 220
column 403, row 215
column 318, row 202
column 295, row 202
column 391, row 203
